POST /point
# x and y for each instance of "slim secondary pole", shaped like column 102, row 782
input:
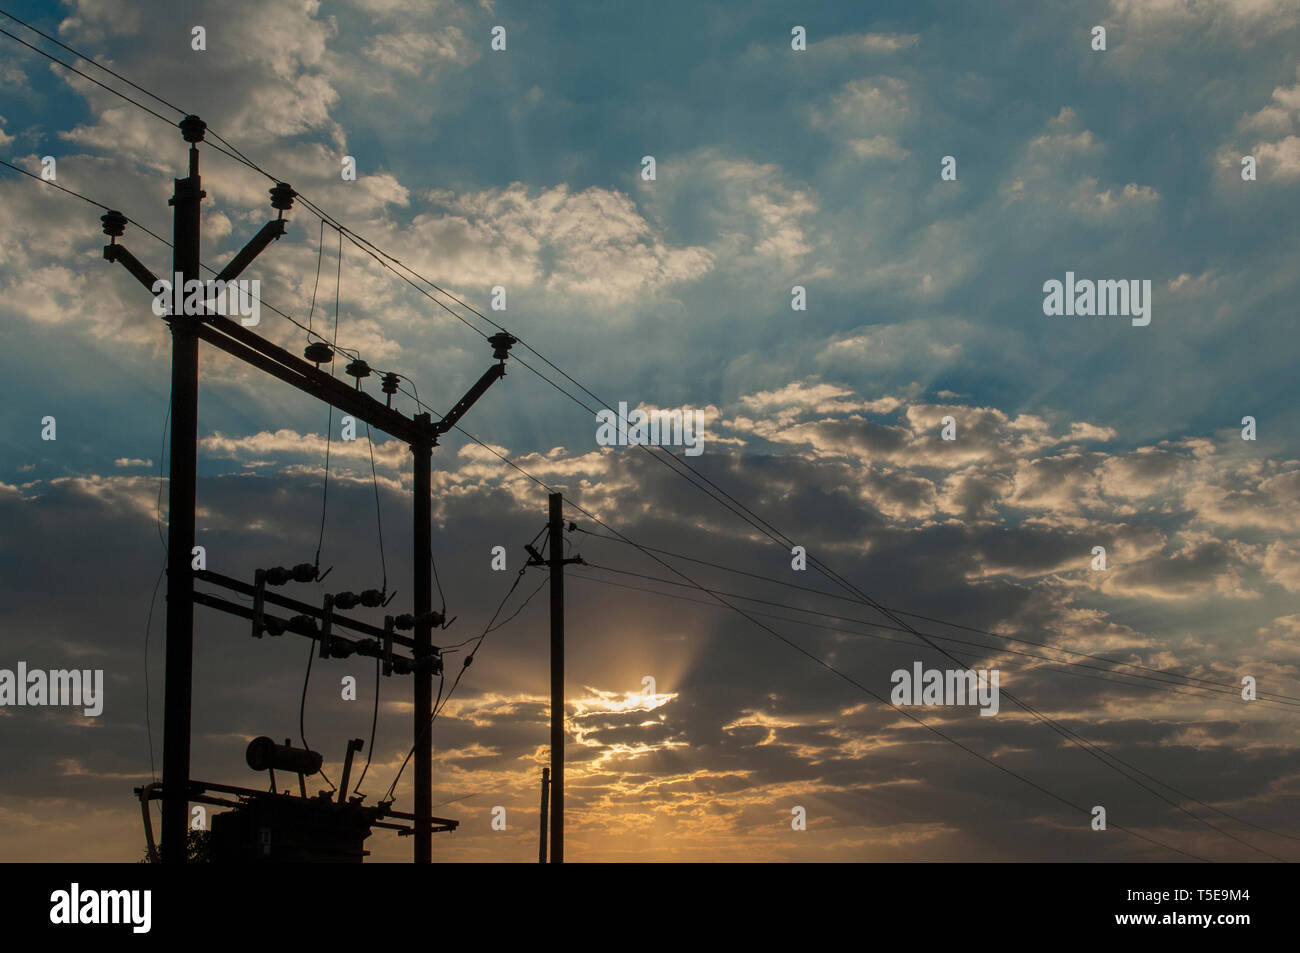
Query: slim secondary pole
column 423, row 560
column 546, row 784
column 556, row 554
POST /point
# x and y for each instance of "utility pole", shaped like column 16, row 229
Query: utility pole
column 556, row 562
column 423, row 537
column 419, row 432
column 556, row 552
column 546, row 785
column 179, row 666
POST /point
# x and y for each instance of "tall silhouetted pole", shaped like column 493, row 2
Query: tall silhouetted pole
column 234, row 338
column 179, row 666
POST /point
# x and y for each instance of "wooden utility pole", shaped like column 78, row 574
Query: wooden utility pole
column 556, row 553
column 556, row 562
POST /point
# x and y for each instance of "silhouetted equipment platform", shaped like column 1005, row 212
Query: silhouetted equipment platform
column 280, row 827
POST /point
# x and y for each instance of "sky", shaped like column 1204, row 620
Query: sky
column 775, row 168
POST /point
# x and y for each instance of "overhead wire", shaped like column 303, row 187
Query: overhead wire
column 996, row 650
column 56, row 41
column 1217, row 688
column 821, row 567
column 1034, row 784
column 822, row 662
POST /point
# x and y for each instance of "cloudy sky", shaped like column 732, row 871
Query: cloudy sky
column 774, row 168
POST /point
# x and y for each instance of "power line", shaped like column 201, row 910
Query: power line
column 1080, row 742
column 65, row 46
column 926, row 618
column 993, row 649
column 813, row 560
column 1206, row 685
column 374, row 475
column 53, row 185
column 824, row 663
column 1071, row 735
column 821, row 567
column 351, row 352
column 67, row 66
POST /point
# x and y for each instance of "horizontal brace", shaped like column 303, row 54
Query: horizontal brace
column 246, row 612
column 198, row 789
column 284, row 602
column 538, row 560
column 152, row 793
column 447, row 824
column 440, row 826
column 327, row 387
column 238, row 341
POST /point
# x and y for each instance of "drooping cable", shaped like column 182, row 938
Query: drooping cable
column 374, row 722
column 441, row 703
column 302, row 709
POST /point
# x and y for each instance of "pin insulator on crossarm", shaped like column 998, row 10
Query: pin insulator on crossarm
column 282, row 196
column 318, row 352
column 501, row 343
column 389, row 385
column 357, row 369
column 279, row 575
column 114, row 225
column 409, row 621
column 192, row 129
column 303, row 625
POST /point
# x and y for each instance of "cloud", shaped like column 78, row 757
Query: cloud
column 825, row 423
column 1282, row 565
column 855, row 44
column 1239, row 21
column 878, row 147
column 1055, row 171
column 1277, row 158
column 755, row 215
column 870, row 105
column 593, row 243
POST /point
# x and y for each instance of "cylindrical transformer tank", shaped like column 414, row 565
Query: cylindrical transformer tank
column 263, row 754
